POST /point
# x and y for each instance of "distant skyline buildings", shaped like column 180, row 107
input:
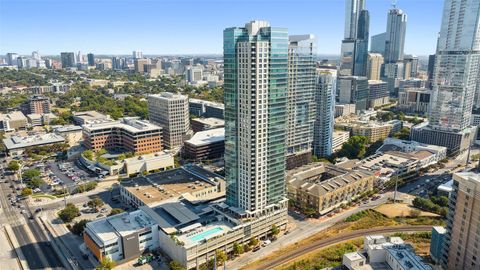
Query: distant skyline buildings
column 71, row 34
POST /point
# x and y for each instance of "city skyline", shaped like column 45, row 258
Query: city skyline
column 193, row 29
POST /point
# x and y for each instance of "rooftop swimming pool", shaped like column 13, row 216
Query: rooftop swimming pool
column 203, row 235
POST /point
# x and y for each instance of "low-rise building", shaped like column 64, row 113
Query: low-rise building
column 339, row 137
column 437, row 153
column 121, row 237
column 209, row 144
column 324, row 187
column 202, row 124
column 188, row 182
column 385, row 253
column 203, row 108
column 414, row 100
column 344, row 110
column 16, row 145
column 36, row 119
column 127, row 134
column 73, row 134
column 373, row 130
column 12, row 121
column 89, row 117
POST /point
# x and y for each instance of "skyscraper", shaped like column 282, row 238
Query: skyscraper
column 91, row 59
column 456, row 77
column 137, row 54
column 430, row 70
column 394, row 68
column 12, row 59
column 353, row 90
column 256, row 74
column 325, row 111
column 355, row 43
column 68, row 59
column 461, row 240
column 377, row 44
column 300, row 101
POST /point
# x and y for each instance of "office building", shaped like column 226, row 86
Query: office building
column 12, row 59
column 430, row 70
column 436, row 243
column 300, row 100
column 456, row 77
column 16, row 145
column 139, row 64
column 73, row 134
column 204, row 145
column 90, row 117
column 203, row 108
column 461, row 240
column 339, row 137
column 354, row 50
column 202, row 124
column 193, row 74
column 36, row 119
column 414, row 100
column 353, row 90
column 171, row 112
column 412, row 83
column 410, row 63
column 377, row 43
column 324, row 111
column 323, row 187
column 127, row 134
column 345, row 109
column 377, row 94
column 137, row 55
column 374, row 66
column 91, row 59
column 68, row 59
column 37, row 105
column 12, row 121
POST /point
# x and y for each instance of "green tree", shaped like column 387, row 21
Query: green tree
column 95, row 203
column 79, row 227
column 275, row 229
column 106, row 264
column 13, row 165
column 221, row 256
column 26, row 192
column 88, row 154
column 355, row 147
column 115, row 211
column 253, row 242
column 36, row 182
column 69, row 213
column 31, row 174
column 174, row 265
column 237, row 249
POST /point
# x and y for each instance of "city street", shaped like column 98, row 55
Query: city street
column 33, row 242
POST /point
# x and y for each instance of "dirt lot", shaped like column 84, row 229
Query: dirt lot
column 400, row 210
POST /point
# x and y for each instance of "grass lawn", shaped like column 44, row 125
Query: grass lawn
column 47, row 196
column 362, row 220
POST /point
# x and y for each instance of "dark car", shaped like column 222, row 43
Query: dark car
column 255, row 249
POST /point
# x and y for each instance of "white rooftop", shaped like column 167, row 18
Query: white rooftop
column 131, row 124
column 68, row 128
column 208, row 136
column 12, row 116
column 17, row 142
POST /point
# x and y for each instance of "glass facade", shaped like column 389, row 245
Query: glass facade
column 325, row 112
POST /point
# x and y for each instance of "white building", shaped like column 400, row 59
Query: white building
column 339, row 137
column 15, row 145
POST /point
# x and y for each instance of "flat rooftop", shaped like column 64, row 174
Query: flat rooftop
column 67, row 129
column 90, row 115
column 207, row 103
column 207, row 137
column 17, row 142
column 168, row 95
column 210, row 121
column 170, row 185
column 406, row 257
column 12, row 116
column 110, row 228
column 131, row 124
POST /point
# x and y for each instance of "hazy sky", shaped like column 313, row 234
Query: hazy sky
column 188, row 26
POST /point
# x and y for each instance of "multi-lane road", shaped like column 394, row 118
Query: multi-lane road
column 31, row 238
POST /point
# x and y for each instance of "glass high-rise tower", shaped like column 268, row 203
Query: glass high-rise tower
column 455, row 77
column 300, row 99
column 255, row 85
column 325, row 111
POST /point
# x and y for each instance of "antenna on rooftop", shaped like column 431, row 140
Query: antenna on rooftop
column 394, row 3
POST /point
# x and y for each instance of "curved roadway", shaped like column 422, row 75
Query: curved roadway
column 292, row 255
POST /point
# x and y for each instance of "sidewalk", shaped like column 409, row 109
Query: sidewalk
column 11, row 256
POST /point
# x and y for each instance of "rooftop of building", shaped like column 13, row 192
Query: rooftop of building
column 171, row 185
column 440, row 229
column 211, row 121
column 406, row 257
column 110, row 228
column 131, row 124
column 169, row 95
column 321, row 178
column 467, row 176
column 12, row 116
column 205, row 102
column 34, row 116
column 91, row 115
column 67, row 129
column 17, row 142
column 207, row 137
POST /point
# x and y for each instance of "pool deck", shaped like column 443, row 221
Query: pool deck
column 196, row 236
